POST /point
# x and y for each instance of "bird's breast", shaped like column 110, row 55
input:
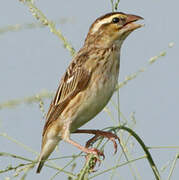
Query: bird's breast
column 98, row 93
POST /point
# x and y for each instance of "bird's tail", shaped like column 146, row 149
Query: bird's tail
column 47, row 149
column 40, row 165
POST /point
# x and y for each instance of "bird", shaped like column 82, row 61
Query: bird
column 88, row 84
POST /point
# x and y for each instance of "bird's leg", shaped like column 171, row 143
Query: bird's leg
column 85, row 149
column 109, row 135
column 66, row 138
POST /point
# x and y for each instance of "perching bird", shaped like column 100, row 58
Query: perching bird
column 88, row 83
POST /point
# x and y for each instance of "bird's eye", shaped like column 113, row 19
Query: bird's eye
column 115, row 20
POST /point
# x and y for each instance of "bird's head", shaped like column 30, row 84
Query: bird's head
column 112, row 28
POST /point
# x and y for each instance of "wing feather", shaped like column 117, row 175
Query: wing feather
column 67, row 90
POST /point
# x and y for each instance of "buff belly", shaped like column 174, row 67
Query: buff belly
column 92, row 103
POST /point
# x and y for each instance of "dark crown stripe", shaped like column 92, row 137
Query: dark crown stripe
column 108, row 15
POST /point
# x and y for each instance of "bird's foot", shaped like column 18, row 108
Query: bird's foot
column 109, row 135
column 96, row 152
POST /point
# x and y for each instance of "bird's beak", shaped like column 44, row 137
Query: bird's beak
column 130, row 25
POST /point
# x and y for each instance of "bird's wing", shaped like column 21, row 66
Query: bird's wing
column 73, row 82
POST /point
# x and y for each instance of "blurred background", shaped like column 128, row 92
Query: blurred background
column 34, row 59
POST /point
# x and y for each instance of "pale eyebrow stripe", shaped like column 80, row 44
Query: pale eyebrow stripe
column 100, row 22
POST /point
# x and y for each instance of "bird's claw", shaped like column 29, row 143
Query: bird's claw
column 95, row 158
column 112, row 137
column 97, row 153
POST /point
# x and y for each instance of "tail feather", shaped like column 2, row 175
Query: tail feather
column 40, row 165
column 47, row 149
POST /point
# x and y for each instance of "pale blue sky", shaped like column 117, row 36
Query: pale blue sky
column 32, row 60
